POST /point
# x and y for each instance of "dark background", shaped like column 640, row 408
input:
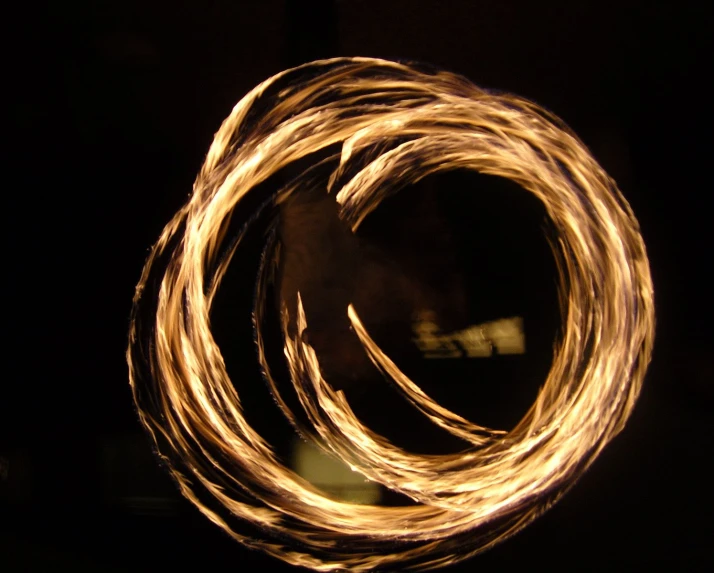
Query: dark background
column 112, row 106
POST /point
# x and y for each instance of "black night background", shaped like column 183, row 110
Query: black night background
column 112, row 107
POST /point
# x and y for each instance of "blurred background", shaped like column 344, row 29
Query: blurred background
column 112, row 107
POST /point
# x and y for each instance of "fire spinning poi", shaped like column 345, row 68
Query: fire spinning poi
column 392, row 124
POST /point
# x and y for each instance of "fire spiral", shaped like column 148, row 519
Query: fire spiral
column 392, row 124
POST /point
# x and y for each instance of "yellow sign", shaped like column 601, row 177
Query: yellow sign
column 504, row 336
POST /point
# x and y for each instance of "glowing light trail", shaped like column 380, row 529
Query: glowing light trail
column 396, row 124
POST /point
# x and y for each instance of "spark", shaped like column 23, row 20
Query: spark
column 396, row 125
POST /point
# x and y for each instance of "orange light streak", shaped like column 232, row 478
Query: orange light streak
column 421, row 123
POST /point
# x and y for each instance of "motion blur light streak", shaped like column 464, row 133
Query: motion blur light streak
column 396, row 124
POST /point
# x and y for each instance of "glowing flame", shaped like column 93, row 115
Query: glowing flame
column 396, row 125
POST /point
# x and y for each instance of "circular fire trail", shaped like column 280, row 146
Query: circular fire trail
column 391, row 125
